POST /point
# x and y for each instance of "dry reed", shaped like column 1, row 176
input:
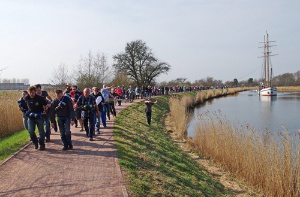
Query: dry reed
column 11, row 116
column 179, row 110
column 269, row 162
column 288, row 88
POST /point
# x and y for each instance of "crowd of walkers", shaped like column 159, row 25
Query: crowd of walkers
column 86, row 109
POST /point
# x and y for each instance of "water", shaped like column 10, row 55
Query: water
column 272, row 113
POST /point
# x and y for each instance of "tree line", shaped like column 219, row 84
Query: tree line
column 138, row 66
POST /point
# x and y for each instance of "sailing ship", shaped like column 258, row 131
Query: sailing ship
column 265, row 87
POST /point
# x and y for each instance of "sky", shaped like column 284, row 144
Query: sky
column 197, row 38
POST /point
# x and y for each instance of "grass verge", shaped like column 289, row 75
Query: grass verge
column 13, row 143
column 152, row 164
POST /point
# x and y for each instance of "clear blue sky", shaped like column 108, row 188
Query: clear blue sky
column 198, row 38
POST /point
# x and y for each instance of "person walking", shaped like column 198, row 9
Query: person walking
column 46, row 117
column 75, row 94
column 62, row 107
column 36, row 105
column 99, row 101
column 105, row 107
column 148, row 110
column 89, row 109
column 23, row 108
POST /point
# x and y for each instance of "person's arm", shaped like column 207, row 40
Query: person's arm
column 49, row 97
column 52, row 112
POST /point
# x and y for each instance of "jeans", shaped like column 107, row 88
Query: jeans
column 89, row 124
column 103, row 115
column 112, row 108
column 47, row 126
column 32, row 122
column 25, row 121
column 97, row 121
column 65, row 131
column 148, row 114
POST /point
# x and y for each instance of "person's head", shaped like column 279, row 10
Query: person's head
column 95, row 90
column 32, row 91
column 24, row 93
column 59, row 94
column 74, row 87
column 38, row 88
column 86, row 92
column 104, row 86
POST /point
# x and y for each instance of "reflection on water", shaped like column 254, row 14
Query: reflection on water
column 277, row 113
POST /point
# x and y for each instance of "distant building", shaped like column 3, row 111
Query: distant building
column 13, row 86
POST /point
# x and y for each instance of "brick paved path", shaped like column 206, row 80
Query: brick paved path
column 90, row 169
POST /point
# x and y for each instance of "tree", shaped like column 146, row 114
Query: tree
column 102, row 70
column 92, row 71
column 121, row 79
column 235, row 82
column 250, row 81
column 139, row 63
column 60, row 75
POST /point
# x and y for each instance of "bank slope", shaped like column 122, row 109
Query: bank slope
column 152, row 164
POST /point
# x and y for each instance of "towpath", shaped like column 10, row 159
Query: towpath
column 90, row 169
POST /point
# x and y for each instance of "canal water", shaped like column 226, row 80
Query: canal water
column 280, row 113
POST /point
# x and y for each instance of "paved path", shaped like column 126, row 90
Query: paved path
column 90, row 169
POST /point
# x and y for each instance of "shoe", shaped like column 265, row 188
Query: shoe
column 91, row 139
column 81, row 129
column 55, row 130
column 65, row 148
column 98, row 132
column 48, row 139
column 36, row 146
column 70, row 146
column 42, row 148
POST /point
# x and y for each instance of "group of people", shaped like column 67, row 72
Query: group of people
column 69, row 107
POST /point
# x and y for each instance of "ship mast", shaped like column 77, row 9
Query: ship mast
column 267, row 65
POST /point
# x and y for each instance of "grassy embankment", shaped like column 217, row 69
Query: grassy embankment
column 152, row 164
column 270, row 162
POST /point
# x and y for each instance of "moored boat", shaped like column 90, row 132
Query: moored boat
column 266, row 88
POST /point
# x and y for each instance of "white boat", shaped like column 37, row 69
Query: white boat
column 266, row 88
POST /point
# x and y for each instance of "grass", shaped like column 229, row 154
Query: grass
column 13, row 143
column 152, row 164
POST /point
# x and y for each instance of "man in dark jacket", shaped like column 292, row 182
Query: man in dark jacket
column 62, row 106
column 23, row 107
column 90, row 109
column 148, row 109
column 99, row 101
column 36, row 105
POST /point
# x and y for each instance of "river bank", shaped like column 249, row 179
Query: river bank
column 258, row 159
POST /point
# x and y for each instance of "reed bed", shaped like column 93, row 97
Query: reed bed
column 181, row 104
column 11, row 116
column 288, row 89
column 179, row 110
column 270, row 162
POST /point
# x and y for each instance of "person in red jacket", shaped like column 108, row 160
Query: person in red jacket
column 119, row 91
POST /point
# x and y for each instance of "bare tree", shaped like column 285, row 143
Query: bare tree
column 102, row 70
column 92, row 70
column 60, row 75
